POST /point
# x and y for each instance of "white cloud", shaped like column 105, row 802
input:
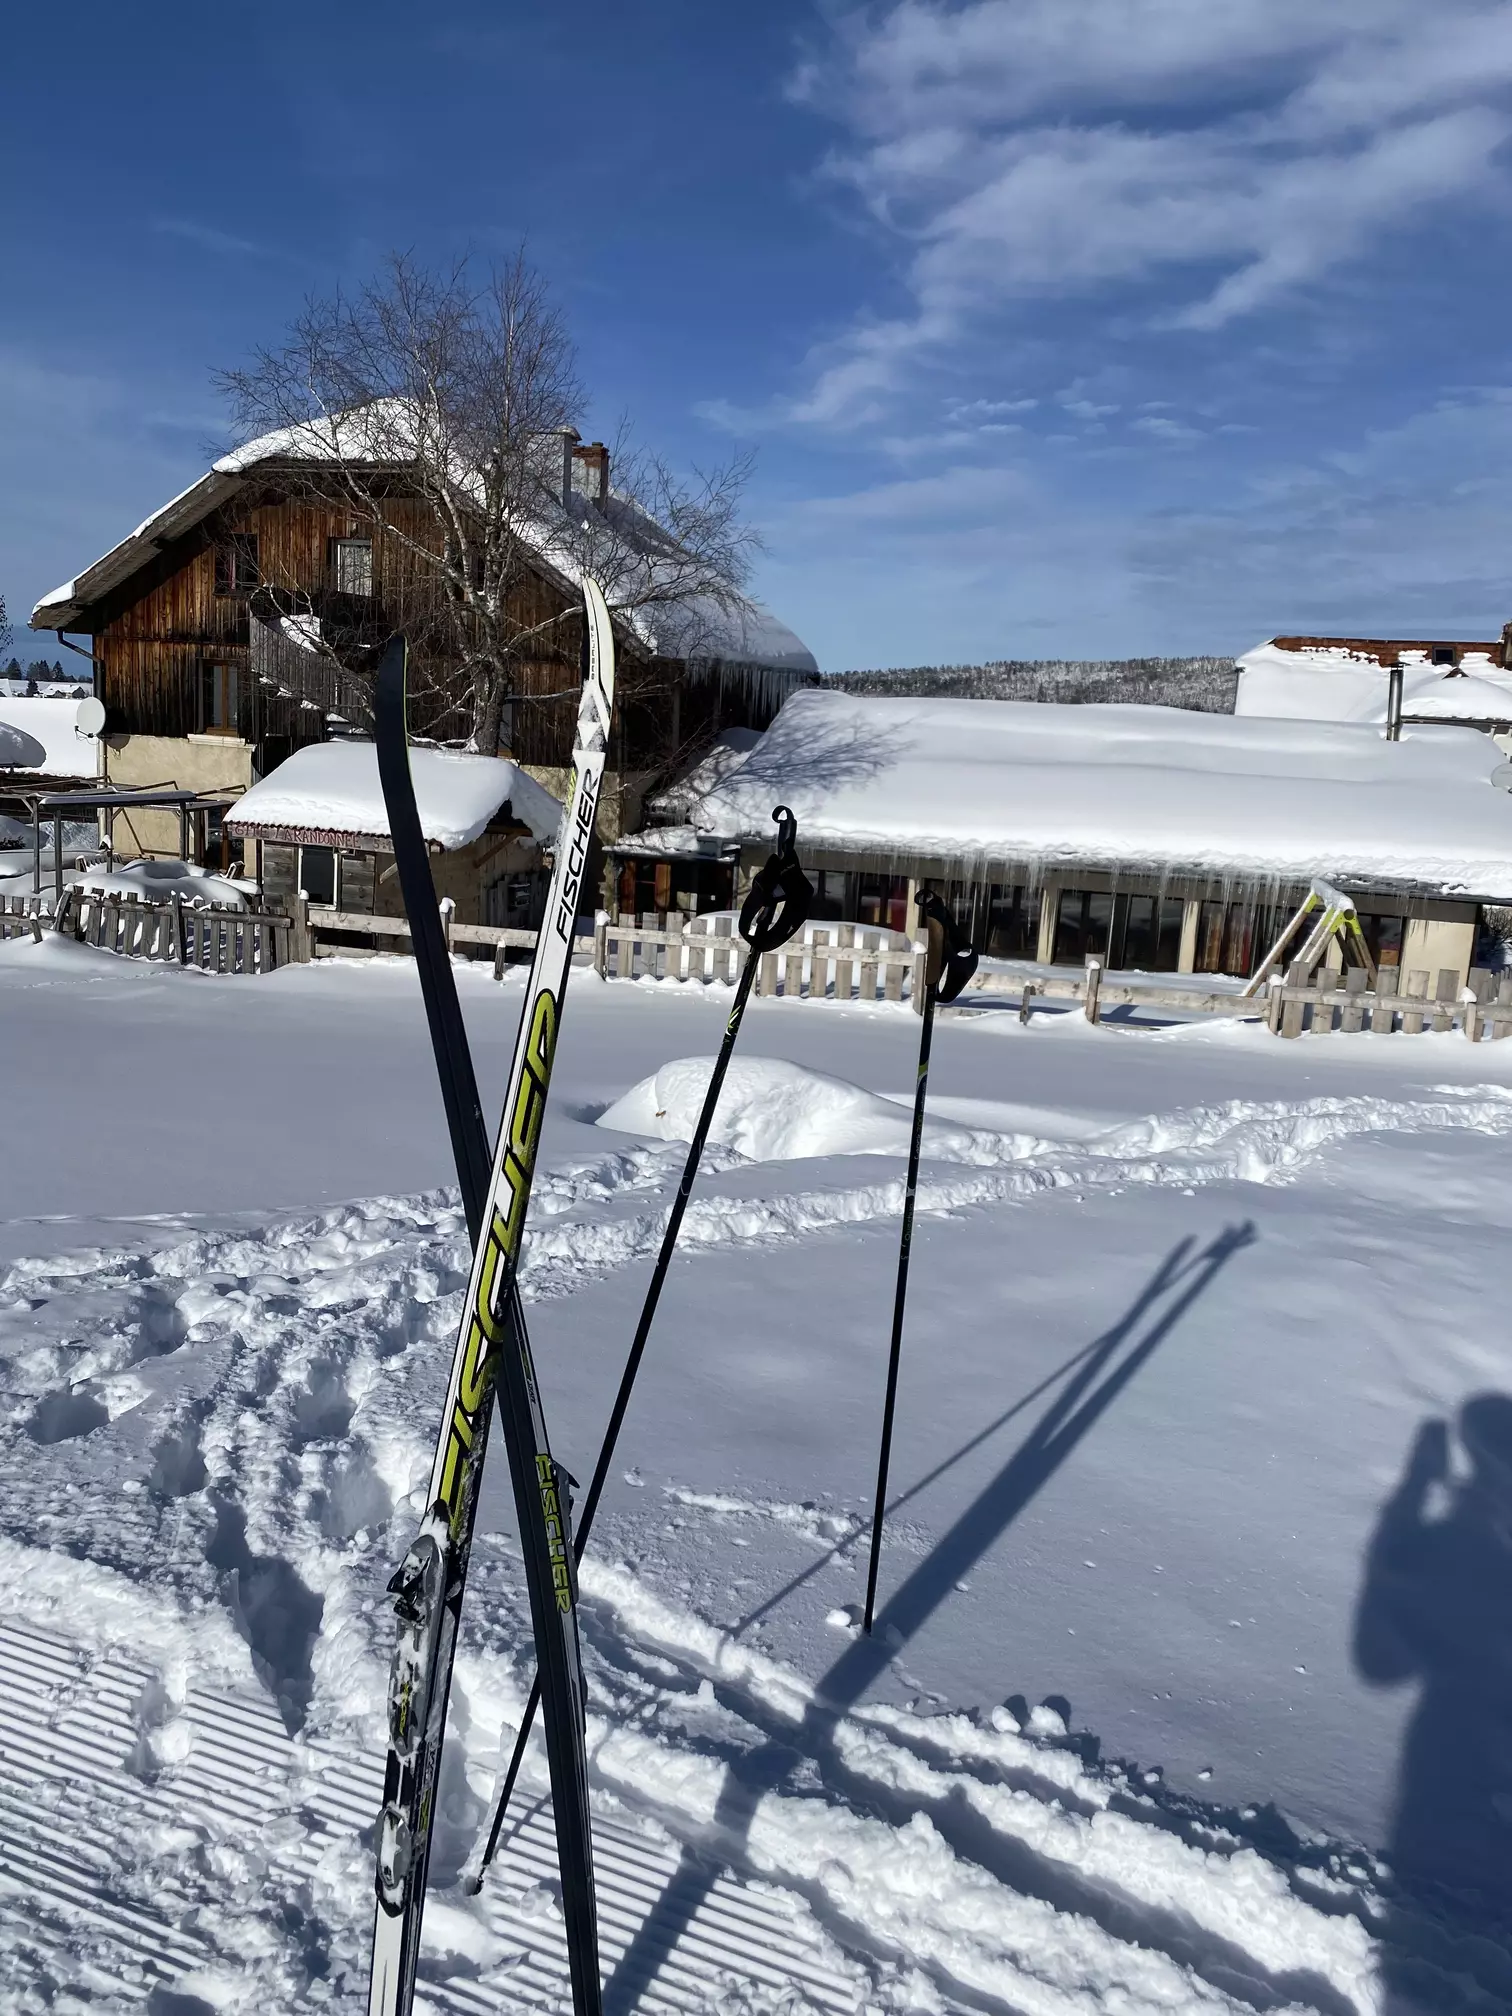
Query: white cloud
column 1232, row 153
column 1403, row 533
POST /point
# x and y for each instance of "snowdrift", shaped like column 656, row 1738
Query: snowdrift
column 773, row 1111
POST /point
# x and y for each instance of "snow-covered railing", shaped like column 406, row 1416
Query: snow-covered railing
column 1322, row 1002
column 215, row 939
column 321, row 933
column 839, row 962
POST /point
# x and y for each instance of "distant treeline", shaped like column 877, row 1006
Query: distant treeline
column 1205, row 684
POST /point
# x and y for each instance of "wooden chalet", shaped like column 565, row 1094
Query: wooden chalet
column 200, row 624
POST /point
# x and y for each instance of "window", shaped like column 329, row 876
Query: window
column 829, row 894
column 1146, row 933
column 352, row 566
column 1082, row 926
column 1011, row 921
column 1444, row 654
column 883, row 899
column 317, row 873
column 220, row 700
column 236, row 564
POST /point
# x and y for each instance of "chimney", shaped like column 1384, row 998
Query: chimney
column 592, row 471
column 1394, row 703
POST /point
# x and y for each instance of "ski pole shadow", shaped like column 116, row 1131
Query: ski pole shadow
column 922, row 1484
column 1435, row 1607
column 1106, row 1368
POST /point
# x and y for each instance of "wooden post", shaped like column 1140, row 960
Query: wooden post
column 301, row 947
column 1293, row 1011
column 1356, row 983
column 1382, row 1017
column 844, row 968
column 792, row 972
column 920, row 977
column 1503, row 999
column 892, row 978
column 1417, row 988
column 1274, row 1003
column 1031, row 988
column 766, row 977
column 600, row 948
column 1094, row 987
column 1322, row 1014
column 819, row 967
column 1446, row 988
column 868, row 981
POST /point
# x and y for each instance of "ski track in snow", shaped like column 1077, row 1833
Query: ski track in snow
column 196, row 1642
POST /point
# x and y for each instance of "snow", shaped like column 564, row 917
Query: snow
column 333, row 788
column 771, row 1111
column 1314, row 684
column 1188, row 1689
column 42, row 736
column 155, row 881
column 1152, row 787
column 728, row 752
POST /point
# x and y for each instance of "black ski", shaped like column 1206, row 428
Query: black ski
column 493, row 1356
column 775, row 907
column 948, row 964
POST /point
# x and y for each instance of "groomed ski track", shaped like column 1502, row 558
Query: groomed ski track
column 64, row 1911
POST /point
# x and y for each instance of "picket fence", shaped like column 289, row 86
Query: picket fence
column 839, row 962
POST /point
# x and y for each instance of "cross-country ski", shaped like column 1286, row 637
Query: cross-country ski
column 755, row 977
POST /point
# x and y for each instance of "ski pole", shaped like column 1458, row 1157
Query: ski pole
column 777, row 905
column 948, row 964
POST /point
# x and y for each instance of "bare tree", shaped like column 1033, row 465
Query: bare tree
column 439, row 407
column 5, row 628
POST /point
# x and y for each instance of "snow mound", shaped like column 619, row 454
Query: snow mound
column 773, row 1111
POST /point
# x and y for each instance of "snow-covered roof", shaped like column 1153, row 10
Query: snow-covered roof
column 728, row 752
column 42, row 738
column 329, row 794
column 381, row 435
column 1336, row 683
column 1149, row 788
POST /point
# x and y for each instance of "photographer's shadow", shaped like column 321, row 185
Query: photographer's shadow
column 1436, row 1607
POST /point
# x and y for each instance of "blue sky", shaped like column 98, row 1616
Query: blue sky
column 1061, row 327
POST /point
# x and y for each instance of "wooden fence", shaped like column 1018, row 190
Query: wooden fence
column 1321, row 1004
column 839, row 962
column 214, row 939
column 24, row 917
column 321, row 933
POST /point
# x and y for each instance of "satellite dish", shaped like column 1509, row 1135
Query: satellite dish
column 18, row 750
column 1501, row 776
column 91, row 716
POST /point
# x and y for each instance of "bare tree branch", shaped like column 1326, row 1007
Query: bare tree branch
column 439, row 406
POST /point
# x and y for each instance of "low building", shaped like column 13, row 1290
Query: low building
column 1350, row 679
column 317, row 827
column 1159, row 839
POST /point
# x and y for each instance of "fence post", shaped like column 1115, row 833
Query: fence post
column 920, row 982
column 448, row 910
column 1446, row 989
column 301, row 950
column 600, row 945
column 1094, row 987
column 1293, row 1011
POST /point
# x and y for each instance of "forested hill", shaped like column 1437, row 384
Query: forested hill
column 1205, row 684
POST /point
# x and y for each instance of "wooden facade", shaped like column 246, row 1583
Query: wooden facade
column 190, row 644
